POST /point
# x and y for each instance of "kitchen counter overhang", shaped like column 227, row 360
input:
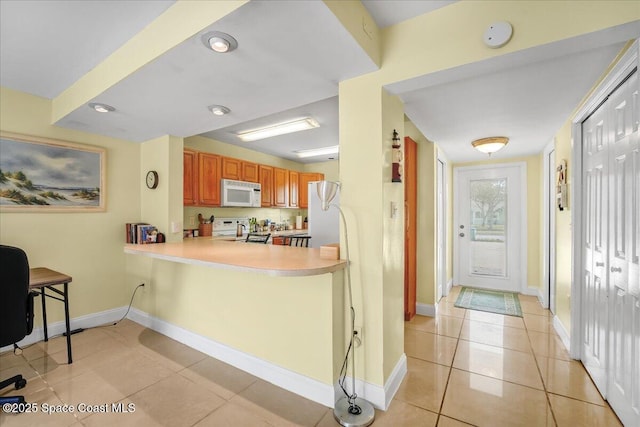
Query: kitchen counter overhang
column 273, row 260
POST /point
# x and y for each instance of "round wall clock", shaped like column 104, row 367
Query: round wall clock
column 152, row 179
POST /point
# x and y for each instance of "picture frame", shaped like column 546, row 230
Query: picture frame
column 48, row 175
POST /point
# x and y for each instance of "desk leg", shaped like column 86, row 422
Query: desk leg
column 66, row 319
column 44, row 314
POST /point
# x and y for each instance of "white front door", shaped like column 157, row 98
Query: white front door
column 489, row 212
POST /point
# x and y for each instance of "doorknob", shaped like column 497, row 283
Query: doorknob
column 616, row 269
column 599, row 264
column 461, row 234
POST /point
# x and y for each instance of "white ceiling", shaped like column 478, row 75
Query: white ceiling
column 390, row 12
column 290, row 58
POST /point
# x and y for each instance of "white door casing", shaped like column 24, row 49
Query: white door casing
column 549, row 229
column 442, row 230
column 480, row 262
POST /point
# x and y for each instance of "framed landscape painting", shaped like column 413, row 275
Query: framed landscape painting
column 46, row 175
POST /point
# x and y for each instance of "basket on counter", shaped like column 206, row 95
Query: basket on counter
column 205, row 229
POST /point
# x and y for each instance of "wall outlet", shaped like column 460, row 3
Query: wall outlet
column 358, row 337
column 192, row 220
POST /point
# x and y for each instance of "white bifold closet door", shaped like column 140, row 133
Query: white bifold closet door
column 611, row 298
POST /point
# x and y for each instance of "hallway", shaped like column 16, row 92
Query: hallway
column 492, row 370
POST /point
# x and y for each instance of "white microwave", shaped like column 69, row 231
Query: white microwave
column 240, row 193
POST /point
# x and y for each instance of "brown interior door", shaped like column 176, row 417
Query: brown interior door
column 410, row 212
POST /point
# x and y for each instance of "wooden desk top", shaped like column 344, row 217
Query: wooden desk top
column 41, row 276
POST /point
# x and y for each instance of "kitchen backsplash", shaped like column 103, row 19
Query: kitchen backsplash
column 277, row 215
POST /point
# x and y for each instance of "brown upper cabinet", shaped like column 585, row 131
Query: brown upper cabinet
column 281, row 187
column 231, row 168
column 250, row 172
column 266, row 185
column 303, row 192
column 209, row 166
column 293, row 188
column 190, row 183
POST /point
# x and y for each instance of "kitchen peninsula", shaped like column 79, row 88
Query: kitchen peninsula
column 277, row 312
column 273, row 260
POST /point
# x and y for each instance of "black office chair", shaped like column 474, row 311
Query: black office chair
column 301, row 241
column 16, row 308
column 258, row 238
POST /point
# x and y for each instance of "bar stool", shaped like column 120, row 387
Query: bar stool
column 300, row 241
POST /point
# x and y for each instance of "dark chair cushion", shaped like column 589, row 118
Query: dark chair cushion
column 14, row 288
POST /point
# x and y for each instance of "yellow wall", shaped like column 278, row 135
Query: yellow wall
column 426, row 268
column 563, row 234
column 534, row 213
column 86, row 246
column 293, row 322
column 330, row 169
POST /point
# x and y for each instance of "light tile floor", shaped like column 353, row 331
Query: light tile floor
column 464, row 368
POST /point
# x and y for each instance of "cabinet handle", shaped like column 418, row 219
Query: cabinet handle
column 616, row 269
column 599, row 264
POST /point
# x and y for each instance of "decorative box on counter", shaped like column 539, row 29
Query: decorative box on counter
column 330, row 251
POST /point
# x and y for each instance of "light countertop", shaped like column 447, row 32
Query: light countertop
column 274, row 260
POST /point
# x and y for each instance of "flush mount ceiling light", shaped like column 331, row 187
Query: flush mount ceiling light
column 318, row 151
column 219, row 42
column 101, row 108
column 279, row 129
column 219, row 110
column 490, row 145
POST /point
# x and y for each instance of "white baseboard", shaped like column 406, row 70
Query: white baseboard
column 395, row 379
column 449, row 285
column 541, row 298
column 379, row 397
column 296, row 383
column 57, row 328
column 530, row 290
column 562, row 332
column 302, row 385
column 426, row 309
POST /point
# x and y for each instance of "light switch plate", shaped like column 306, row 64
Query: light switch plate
column 176, row 227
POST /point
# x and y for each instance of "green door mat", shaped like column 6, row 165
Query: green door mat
column 491, row 301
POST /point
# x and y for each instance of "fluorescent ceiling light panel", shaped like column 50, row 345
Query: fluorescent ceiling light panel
column 279, row 129
column 318, row 151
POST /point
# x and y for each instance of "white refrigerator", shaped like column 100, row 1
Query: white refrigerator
column 324, row 226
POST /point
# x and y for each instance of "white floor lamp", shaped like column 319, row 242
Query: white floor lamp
column 350, row 410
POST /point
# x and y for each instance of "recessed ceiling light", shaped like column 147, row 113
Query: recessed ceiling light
column 219, row 42
column 323, row 151
column 219, row 110
column 278, row 129
column 101, row 108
